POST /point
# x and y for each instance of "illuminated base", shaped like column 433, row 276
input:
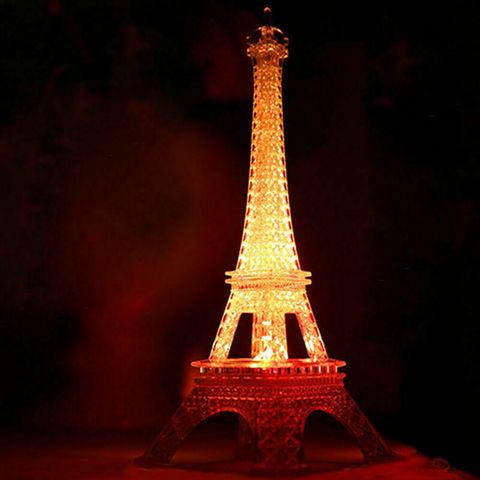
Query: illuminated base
column 273, row 402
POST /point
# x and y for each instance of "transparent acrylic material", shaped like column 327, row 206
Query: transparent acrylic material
column 272, row 394
column 268, row 281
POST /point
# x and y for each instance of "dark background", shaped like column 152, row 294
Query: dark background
column 124, row 155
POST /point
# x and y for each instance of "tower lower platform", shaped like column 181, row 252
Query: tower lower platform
column 273, row 402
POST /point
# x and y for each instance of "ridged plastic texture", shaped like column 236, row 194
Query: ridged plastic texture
column 272, row 394
column 272, row 411
column 268, row 281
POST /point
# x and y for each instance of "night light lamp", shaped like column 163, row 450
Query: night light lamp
column 272, row 393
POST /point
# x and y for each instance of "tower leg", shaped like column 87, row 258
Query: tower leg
column 184, row 420
column 370, row 442
column 246, row 440
column 194, row 410
column 226, row 331
column 279, row 439
column 310, row 332
column 342, row 407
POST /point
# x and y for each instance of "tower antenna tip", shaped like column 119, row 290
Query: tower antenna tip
column 267, row 12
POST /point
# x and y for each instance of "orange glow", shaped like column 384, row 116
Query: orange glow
column 272, row 394
column 268, row 281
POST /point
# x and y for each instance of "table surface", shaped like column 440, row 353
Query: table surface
column 94, row 456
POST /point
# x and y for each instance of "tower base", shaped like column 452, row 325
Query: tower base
column 273, row 404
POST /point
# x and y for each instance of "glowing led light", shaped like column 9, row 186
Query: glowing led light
column 268, row 281
column 272, row 394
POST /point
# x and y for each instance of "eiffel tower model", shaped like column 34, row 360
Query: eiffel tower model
column 272, row 393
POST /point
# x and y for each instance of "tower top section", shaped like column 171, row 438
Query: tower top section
column 268, row 281
column 267, row 43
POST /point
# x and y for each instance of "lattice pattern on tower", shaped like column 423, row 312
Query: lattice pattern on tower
column 273, row 395
column 268, row 281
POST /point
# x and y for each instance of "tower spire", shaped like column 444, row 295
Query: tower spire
column 268, row 281
column 267, row 15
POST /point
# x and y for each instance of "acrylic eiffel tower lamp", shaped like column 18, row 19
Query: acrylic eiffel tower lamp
column 272, row 393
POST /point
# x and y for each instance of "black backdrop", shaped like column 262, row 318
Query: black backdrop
column 125, row 139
